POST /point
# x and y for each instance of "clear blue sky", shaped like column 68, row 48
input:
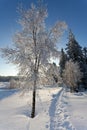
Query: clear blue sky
column 73, row 12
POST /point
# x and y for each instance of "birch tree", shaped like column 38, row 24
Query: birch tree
column 34, row 45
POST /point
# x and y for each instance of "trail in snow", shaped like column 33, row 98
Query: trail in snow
column 59, row 116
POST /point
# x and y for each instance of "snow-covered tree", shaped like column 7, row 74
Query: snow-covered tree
column 34, row 45
column 72, row 75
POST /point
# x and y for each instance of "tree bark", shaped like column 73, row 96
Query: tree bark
column 33, row 101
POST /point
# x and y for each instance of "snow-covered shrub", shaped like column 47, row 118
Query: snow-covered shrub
column 14, row 84
column 72, row 75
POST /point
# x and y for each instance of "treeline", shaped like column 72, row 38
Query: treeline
column 73, row 64
column 8, row 78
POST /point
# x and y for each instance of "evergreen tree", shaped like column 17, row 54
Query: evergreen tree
column 74, row 53
column 53, row 73
column 74, row 50
column 63, row 59
column 84, row 67
column 85, row 54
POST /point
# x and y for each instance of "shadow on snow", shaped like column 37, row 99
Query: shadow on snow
column 5, row 92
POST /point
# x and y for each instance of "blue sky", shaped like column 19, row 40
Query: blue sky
column 73, row 12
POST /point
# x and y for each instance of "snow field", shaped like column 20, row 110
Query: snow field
column 15, row 110
column 56, row 109
column 78, row 109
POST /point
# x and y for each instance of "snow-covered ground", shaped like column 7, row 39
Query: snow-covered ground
column 55, row 110
column 77, row 105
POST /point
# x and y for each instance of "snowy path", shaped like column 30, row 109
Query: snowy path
column 59, row 117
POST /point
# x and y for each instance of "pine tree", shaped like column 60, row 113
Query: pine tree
column 74, row 53
column 53, row 73
column 85, row 54
column 74, row 50
column 63, row 59
column 84, row 67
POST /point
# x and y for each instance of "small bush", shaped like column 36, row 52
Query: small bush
column 13, row 84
